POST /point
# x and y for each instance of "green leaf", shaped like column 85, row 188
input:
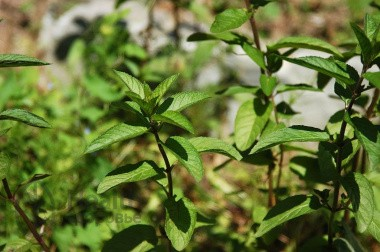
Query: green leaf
column 306, row 168
column 326, row 161
column 255, row 54
column 230, row 38
column 229, row 19
column 129, row 173
column 374, row 226
column 34, row 178
column 286, row 210
column 282, row 88
column 307, row 43
column 237, row 90
column 267, row 84
column 163, row 87
column 19, row 245
column 131, row 238
column 360, row 192
column 369, row 136
column 186, row 154
column 4, row 131
column 371, row 27
column 181, row 217
column 115, row 134
column 335, row 69
column 175, row 118
column 373, row 78
column 298, row 133
column 342, row 245
column 182, row 100
column 250, row 121
column 24, row 116
column 351, row 238
column 100, row 88
column 5, row 163
column 210, row 144
column 364, row 43
column 133, row 84
column 17, row 60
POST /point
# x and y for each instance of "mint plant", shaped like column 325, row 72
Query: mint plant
column 153, row 112
column 261, row 137
column 23, row 116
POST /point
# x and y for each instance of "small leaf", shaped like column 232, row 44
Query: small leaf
column 284, row 109
column 342, row 245
column 364, row 43
column 163, row 87
column 24, row 116
column 5, row 163
column 19, row 245
column 175, row 118
column 255, row 54
column 297, row 133
column 115, row 134
column 237, row 90
column 371, row 27
column 129, row 173
column 180, row 221
column 132, row 238
column 369, row 136
column 250, row 121
column 286, row 210
column 214, row 145
column 306, row 168
column 36, row 177
column 307, row 43
column 267, row 84
column 17, row 60
column 229, row 19
column 133, row 84
column 360, row 192
column 334, row 69
column 187, row 155
column 4, row 131
column 373, row 78
column 182, row 100
column 282, row 88
column 326, row 161
column 230, row 38
column 374, row 226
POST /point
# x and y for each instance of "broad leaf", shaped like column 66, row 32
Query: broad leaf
column 24, row 116
column 180, row 221
column 282, row 88
column 163, row 87
column 335, row 69
column 250, row 121
column 175, row 118
column 306, row 168
column 133, row 84
column 364, row 43
column 306, row 42
column 186, row 154
column 369, row 136
column 297, row 133
column 373, row 78
column 267, row 84
column 229, row 19
column 374, row 226
column 230, row 38
column 326, row 161
column 210, row 144
column 286, row 210
column 132, row 238
column 5, row 163
column 19, row 245
column 360, row 192
column 255, row 54
column 115, row 134
column 17, row 60
column 371, row 27
column 182, row 100
column 129, row 173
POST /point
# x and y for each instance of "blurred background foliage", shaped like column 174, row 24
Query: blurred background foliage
column 65, row 206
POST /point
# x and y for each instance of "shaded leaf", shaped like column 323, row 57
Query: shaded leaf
column 129, row 173
column 131, row 238
column 297, row 133
column 342, row 245
column 115, row 134
column 5, row 163
column 229, row 19
column 255, row 54
column 282, row 88
column 250, row 121
column 360, row 192
column 180, row 221
column 227, row 37
column 182, row 100
column 307, row 43
column 17, row 60
column 374, row 226
column 175, row 118
column 364, row 43
column 210, row 144
column 24, row 116
column 286, row 210
column 186, row 154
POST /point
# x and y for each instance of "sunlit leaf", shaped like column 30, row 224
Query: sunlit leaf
column 215, row 145
column 229, row 19
column 24, row 116
column 17, row 60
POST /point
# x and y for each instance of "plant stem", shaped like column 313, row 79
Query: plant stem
column 271, row 195
column 372, row 106
column 169, row 168
column 252, row 22
column 340, row 143
column 25, row 218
